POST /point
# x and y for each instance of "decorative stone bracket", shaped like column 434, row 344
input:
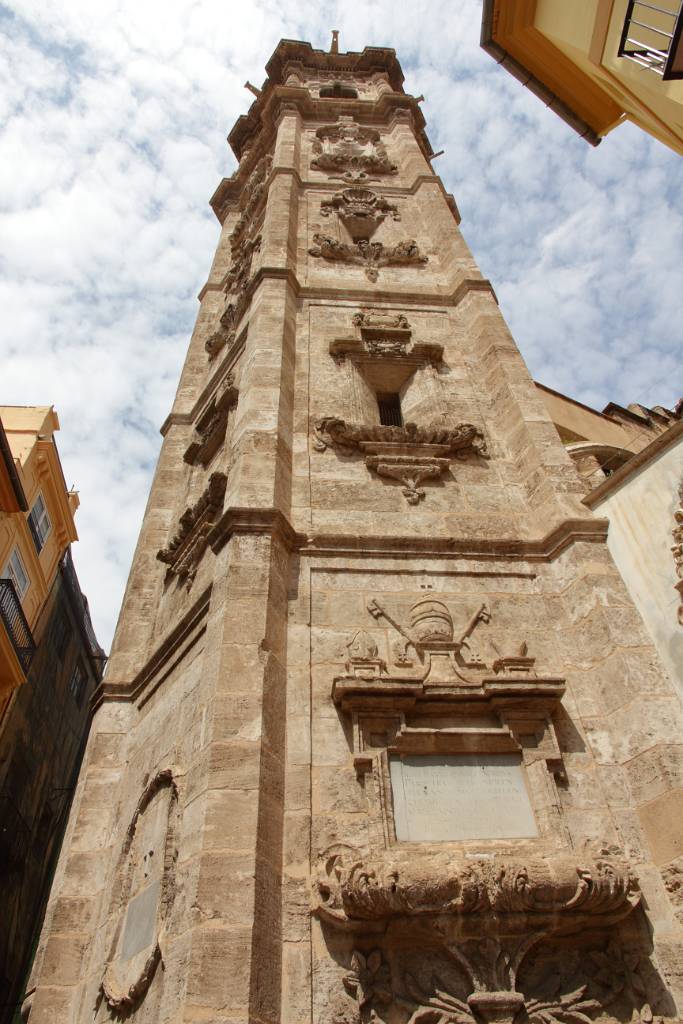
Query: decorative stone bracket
column 184, row 553
column 409, row 454
column 211, row 425
column 370, row 255
column 442, row 939
column 360, row 210
column 385, row 337
column 355, row 888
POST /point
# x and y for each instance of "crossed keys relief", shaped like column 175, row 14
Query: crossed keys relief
column 430, row 639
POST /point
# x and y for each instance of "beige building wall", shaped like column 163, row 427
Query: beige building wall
column 640, row 503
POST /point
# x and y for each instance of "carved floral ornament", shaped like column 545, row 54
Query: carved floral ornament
column 677, row 550
column 370, row 255
column 144, row 893
column 438, row 938
column 349, row 151
column 183, row 554
column 409, row 454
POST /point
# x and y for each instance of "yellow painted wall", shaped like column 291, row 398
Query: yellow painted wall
column 30, row 433
column 588, row 32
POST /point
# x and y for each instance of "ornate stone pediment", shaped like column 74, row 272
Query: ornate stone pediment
column 211, row 425
column 385, row 336
column 360, row 210
column 370, row 255
column 409, row 454
column 349, row 151
column 183, row 554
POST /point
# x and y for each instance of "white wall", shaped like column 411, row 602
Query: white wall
column 641, row 517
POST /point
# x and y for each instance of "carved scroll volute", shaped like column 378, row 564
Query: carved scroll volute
column 144, row 892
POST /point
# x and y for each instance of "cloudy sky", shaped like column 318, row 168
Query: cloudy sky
column 113, row 118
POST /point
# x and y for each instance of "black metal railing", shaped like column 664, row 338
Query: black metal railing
column 16, row 625
column 651, row 36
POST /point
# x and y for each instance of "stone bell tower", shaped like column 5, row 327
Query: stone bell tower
column 381, row 736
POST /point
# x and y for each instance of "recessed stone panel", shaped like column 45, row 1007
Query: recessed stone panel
column 444, row 797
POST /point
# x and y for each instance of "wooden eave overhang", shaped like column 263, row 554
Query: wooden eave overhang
column 509, row 36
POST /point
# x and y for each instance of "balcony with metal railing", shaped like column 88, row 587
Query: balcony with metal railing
column 15, row 625
column 652, row 36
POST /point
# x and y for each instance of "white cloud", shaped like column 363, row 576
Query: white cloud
column 114, row 116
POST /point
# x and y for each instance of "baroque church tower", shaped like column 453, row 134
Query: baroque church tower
column 382, row 737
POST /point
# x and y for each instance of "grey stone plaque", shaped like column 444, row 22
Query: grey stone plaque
column 139, row 929
column 441, row 797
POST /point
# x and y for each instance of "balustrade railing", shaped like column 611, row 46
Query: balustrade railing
column 652, row 36
column 15, row 624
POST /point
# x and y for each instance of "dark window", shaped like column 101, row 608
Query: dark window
column 77, row 683
column 39, row 523
column 390, row 410
column 336, row 89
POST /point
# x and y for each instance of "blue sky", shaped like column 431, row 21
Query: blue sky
column 113, row 118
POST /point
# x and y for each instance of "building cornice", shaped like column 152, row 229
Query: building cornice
column 634, row 465
column 271, row 522
column 492, row 43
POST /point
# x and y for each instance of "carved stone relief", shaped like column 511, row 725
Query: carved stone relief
column 370, row 255
column 409, row 454
column 360, row 210
column 385, row 336
column 183, row 554
column 211, row 426
column 251, row 200
column 348, row 151
column 143, row 895
column 506, row 738
column 440, row 939
column 236, row 287
column 677, row 550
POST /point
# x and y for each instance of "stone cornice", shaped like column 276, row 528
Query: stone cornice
column 266, row 110
column 271, row 522
column 635, row 463
column 183, row 636
column 512, row 549
column 262, row 521
column 229, row 187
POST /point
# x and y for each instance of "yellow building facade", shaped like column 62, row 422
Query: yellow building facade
column 36, row 527
column 595, row 63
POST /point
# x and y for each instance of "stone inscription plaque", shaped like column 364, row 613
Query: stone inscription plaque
column 139, row 929
column 442, row 797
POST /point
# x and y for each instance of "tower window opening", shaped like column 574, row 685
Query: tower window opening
column 338, row 90
column 389, row 405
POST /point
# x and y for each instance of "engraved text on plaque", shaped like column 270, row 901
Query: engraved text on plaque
column 441, row 797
